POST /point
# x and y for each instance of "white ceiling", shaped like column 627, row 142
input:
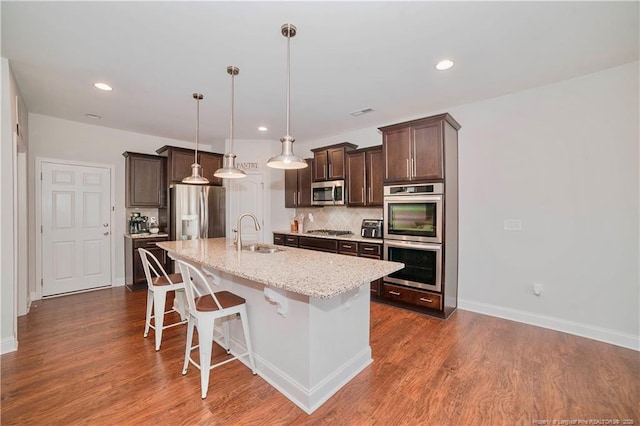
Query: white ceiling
column 345, row 57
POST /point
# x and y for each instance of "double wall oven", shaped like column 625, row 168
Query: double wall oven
column 413, row 232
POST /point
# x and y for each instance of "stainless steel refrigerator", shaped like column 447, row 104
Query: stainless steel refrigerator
column 196, row 211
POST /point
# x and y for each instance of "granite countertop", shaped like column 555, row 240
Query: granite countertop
column 149, row 235
column 307, row 272
column 348, row 237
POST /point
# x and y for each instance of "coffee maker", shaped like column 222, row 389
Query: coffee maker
column 138, row 224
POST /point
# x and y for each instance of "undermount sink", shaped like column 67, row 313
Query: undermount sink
column 262, row 248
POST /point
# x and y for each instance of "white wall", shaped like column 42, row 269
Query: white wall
column 563, row 158
column 8, row 327
column 54, row 138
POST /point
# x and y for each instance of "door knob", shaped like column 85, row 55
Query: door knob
column 106, row 233
column 106, row 225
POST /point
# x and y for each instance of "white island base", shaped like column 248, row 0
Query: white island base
column 307, row 348
column 308, row 312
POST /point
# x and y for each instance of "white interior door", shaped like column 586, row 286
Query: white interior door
column 247, row 196
column 76, row 245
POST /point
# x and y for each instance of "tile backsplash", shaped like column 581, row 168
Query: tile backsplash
column 338, row 217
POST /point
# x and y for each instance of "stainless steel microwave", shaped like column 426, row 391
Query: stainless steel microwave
column 331, row 193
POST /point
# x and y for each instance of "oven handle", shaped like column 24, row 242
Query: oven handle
column 414, row 198
column 413, row 245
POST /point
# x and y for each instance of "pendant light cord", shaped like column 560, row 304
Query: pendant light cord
column 195, row 160
column 288, row 74
column 233, row 77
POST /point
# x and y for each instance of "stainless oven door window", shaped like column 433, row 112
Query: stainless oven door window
column 422, row 264
column 413, row 218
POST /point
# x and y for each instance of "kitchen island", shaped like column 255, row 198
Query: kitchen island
column 308, row 312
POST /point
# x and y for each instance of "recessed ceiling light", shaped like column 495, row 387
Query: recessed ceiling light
column 103, row 86
column 94, row 116
column 444, row 64
column 262, row 129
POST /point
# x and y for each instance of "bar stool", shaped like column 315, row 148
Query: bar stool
column 205, row 306
column 159, row 284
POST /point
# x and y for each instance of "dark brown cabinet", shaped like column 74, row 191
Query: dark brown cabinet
column 372, row 251
column 412, row 296
column 179, row 161
column 145, row 180
column 133, row 270
column 210, row 162
column 365, row 177
column 415, row 151
column 329, row 161
column 297, row 186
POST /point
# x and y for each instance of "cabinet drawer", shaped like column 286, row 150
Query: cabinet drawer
column 320, row 244
column 414, row 297
column 347, row 247
column 369, row 249
column 147, row 243
column 278, row 239
column 291, row 241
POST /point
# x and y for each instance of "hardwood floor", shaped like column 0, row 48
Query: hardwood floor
column 82, row 360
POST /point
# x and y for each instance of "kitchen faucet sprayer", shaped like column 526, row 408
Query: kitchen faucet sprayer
column 239, row 228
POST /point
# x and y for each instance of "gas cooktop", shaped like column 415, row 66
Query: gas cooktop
column 328, row 232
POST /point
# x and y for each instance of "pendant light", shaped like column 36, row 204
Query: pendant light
column 286, row 159
column 229, row 169
column 195, row 177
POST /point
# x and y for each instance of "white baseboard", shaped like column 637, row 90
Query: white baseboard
column 613, row 337
column 8, row 344
column 307, row 399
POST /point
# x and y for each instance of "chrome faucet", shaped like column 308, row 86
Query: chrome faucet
column 239, row 228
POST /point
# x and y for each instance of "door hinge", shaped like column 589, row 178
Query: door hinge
column 41, row 229
column 40, row 175
column 41, row 282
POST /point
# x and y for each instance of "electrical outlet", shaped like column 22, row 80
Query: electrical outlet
column 513, row 225
column 536, row 289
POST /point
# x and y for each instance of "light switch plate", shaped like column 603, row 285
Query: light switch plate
column 513, row 225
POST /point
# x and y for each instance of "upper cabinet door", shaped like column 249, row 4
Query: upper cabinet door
column 304, row 184
column 145, row 180
column 356, row 179
column 320, row 166
column 336, row 163
column 427, row 151
column 397, row 152
column 290, row 188
column 210, row 163
column 375, row 171
column 180, row 164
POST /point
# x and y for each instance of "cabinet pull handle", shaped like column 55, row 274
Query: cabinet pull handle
column 413, row 167
column 408, row 172
column 330, row 174
column 346, row 246
column 363, row 194
column 394, row 293
column 370, row 193
column 422, row 299
column 368, row 248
